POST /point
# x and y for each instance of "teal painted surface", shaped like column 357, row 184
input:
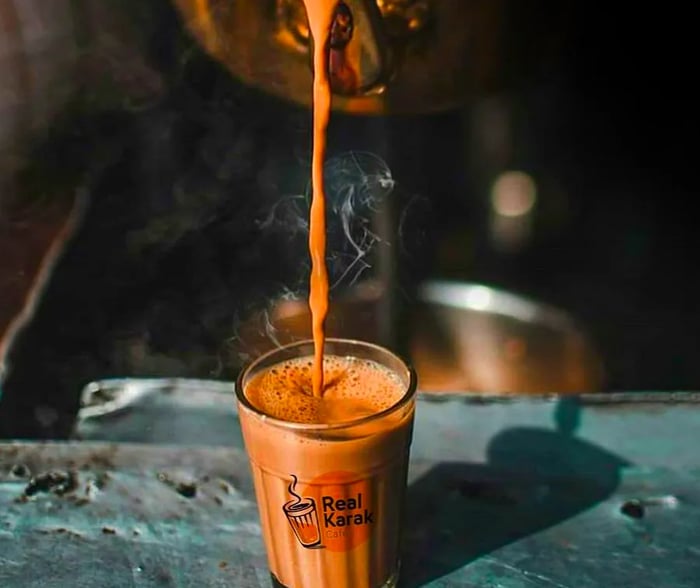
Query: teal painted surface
column 509, row 493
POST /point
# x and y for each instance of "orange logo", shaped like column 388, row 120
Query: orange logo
column 335, row 512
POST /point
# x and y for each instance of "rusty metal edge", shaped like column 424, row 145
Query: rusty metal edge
column 598, row 399
column 612, row 399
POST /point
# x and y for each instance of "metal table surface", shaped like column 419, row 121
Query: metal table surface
column 504, row 492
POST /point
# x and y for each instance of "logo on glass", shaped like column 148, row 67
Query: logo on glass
column 302, row 516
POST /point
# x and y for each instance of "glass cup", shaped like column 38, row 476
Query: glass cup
column 331, row 496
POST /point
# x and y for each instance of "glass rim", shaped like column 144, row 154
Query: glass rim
column 409, row 394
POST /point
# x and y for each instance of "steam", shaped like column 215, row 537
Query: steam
column 292, row 486
column 288, row 213
column 270, row 329
column 357, row 184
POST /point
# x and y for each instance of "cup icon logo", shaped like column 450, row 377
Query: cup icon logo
column 302, row 515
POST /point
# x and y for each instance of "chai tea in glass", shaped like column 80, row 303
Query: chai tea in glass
column 330, row 470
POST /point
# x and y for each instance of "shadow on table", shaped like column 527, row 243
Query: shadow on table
column 533, row 479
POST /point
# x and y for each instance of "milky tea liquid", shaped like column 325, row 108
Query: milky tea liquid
column 329, row 472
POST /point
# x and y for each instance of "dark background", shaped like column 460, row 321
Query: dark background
column 176, row 247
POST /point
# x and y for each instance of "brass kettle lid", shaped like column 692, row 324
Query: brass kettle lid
column 435, row 66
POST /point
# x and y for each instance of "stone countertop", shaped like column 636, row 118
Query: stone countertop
column 503, row 491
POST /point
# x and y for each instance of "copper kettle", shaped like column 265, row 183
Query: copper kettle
column 412, row 56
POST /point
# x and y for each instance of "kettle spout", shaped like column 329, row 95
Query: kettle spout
column 359, row 55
